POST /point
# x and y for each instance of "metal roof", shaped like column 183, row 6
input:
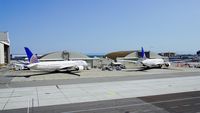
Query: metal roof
column 114, row 55
column 59, row 56
column 129, row 55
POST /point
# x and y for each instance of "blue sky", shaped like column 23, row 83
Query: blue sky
column 101, row 26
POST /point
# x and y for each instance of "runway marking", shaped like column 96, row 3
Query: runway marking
column 131, row 105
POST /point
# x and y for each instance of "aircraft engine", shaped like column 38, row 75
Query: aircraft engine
column 79, row 68
column 167, row 64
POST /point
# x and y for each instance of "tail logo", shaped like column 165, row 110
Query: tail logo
column 34, row 59
column 31, row 57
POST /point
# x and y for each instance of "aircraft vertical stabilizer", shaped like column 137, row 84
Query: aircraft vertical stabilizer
column 31, row 58
column 143, row 54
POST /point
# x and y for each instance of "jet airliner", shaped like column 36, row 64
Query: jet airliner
column 150, row 63
column 50, row 66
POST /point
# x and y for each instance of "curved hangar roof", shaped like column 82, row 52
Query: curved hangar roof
column 130, row 55
column 64, row 55
column 114, row 55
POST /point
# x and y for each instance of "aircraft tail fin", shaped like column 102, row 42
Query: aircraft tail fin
column 143, row 54
column 31, row 57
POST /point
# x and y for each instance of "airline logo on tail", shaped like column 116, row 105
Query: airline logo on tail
column 31, row 58
column 143, row 54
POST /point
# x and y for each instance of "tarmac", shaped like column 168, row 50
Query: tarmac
column 18, row 76
column 58, row 91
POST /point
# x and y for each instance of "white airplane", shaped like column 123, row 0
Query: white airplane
column 151, row 63
column 52, row 66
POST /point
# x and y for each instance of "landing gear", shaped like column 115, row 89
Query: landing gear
column 159, row 66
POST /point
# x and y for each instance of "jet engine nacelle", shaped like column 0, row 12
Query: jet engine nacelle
column 79, row 68
column 167, row 64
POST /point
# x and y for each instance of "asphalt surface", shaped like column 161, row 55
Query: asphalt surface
column 3, row 79
column 6, row 82
column 188, row 102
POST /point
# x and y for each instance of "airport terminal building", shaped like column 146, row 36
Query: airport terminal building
column 4, row 48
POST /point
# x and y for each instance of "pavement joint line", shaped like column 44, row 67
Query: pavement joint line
column 28, row 106
column 57, row 87
column 37, row 97
column 61, row 91
column 150, row 103
column 8, row 99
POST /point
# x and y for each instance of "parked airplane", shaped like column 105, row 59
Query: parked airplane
column 148, row 63
column 151, row 63
column 52, row 66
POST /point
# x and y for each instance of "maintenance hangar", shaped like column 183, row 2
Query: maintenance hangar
column 4, row 48
column 66, row 55
column 130, row 58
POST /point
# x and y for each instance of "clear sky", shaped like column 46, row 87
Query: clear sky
column 101, row 26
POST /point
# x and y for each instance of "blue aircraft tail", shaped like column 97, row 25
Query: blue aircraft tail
column 143, row 54
column 31, row 57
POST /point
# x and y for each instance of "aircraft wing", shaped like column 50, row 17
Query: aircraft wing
column 69, row 68
column 22, row 62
